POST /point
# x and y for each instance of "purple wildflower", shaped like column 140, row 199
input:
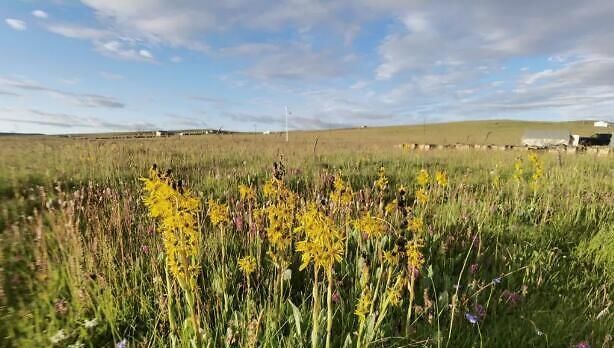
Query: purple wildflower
column 472, row 318
column 479, row 311
column 238, row 221
column 336, row 297
column 144, row 249
column 474, row 268
column 122, row 344
column 583, row 344
column 511, row 297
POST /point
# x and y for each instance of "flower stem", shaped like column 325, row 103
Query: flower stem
column 329, row 305
column 315, row 311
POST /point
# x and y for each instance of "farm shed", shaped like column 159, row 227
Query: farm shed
column 546, row 138
column 603, row 124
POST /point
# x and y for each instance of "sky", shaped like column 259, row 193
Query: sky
column 70, row 66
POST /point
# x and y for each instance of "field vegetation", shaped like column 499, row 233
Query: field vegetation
column 334, row 239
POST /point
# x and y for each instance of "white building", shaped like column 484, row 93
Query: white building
column 602, row 124
column 546, row 138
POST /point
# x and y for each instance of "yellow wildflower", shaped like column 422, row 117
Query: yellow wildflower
column 218, row 213
column 342, row 192
column 246, row 193
column 382, row 181
column 422, row 196
column 373, row 226
column 537, row 171
column 394, row 293
column 442, row 178
column 415, row 259
column 247, row 265
column 363, row 307
column 423, row 177
column 391, row 207
column 416, row 224
column 392, row 256
column 324, row 242
column 176, row 209
column 280, row 217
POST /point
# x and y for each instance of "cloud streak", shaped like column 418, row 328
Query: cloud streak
column 68, row 121
column 80, row 99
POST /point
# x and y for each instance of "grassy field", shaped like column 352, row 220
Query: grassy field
column 350, row 242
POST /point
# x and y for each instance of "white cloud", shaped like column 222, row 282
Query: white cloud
column 80, row 99
column 16, row 24
column 146, row 54
column 78, row 32
column 40, row 14
column 106, row 42
column 176, row 59
column 416, row 22
column 63, row 121
column 122, row 50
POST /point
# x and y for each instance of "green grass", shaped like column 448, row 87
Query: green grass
column 76, row 242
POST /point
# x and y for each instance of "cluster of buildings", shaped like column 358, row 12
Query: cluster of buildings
column 562, row 138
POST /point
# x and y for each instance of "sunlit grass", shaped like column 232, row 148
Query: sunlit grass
column 327, row 247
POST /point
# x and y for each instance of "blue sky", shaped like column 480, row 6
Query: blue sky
column 72, row 66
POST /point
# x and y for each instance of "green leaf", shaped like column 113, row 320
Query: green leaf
column 297, row 318
column 348, row 341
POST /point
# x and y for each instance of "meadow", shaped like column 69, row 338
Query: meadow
column 334, row 239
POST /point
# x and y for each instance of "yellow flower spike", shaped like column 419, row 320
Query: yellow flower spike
column 247, row 265
column 176, row 210
column 382, row 181
column 363, row 306
column 280, row 216
column 372, row 226
column 324, row 242
column 218, row 213
column 423, row 177
column 422, row 196
column 391, row 207
column 395, row 292
column 342, row 192
column 415, row 259
column 441, row 178
column 416, row 225
column 246, row 193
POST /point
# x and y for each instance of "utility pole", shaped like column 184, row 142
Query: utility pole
column 287, row 123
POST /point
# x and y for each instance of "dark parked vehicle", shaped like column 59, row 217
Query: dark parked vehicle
column 601, row 139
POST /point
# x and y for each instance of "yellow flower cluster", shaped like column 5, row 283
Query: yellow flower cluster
column 372, row 226
column 247, row 265
column 442, row 178
column 280, row 216
column 415, row 259
column 382, row 180
column 391, row 207
column 218, row 213
column 176, row 210
column 363, row 307
column 416, row 225
column 246, row 193
column 394, row 293
column 391, row 257
column 538, row 171
column 324, row 242
column 422, row 196
column 342, row 192
column 423, row 177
